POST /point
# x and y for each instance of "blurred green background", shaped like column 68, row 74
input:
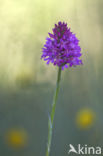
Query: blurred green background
column 27, row 83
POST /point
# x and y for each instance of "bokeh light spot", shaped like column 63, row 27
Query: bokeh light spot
column 85, row 118
column 16, row 138
column 24, row 78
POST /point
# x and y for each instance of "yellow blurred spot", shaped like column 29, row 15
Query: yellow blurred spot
column 24, row 78
column 16, row 138
column 85, row 118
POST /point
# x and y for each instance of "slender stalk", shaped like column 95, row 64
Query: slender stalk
column 51, row 118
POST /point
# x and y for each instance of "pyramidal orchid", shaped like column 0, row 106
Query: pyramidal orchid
column 63, row 50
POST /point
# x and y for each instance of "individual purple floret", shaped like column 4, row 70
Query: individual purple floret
column 62, row 47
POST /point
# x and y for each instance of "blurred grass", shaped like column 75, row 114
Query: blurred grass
column 27, row 83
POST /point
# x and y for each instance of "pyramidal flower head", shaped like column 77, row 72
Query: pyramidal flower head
column 62, row 47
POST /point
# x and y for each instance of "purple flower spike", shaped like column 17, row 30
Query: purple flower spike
column 62, row 47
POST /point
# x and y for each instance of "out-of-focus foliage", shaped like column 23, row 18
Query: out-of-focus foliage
column 23, row 33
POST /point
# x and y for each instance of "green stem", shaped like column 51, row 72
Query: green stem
column 51, row 118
